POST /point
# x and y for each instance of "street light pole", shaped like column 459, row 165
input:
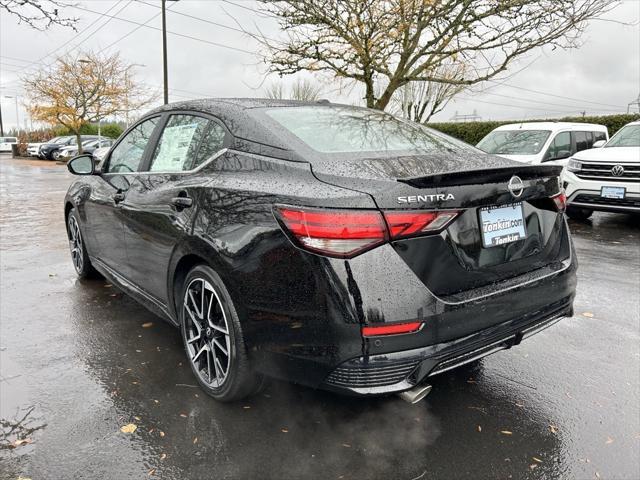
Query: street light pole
column 1, row 125
column 164, row 52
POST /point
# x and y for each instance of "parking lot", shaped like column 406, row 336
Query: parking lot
column 80, row 360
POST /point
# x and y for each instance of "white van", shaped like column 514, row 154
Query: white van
column 6, row 142
column 538, row 142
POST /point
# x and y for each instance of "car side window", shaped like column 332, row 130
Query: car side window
column 560, row 147
column 127, row 155
column 597, row 136
column 186, row 142
column 582, row 141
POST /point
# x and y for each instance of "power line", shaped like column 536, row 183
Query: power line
column 543, row 103
column 525, row 107
column 553, row 95
column 191, row 37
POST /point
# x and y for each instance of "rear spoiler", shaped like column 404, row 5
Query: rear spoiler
column 488, row 175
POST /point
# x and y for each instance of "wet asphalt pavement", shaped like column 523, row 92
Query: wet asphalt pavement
column 79, row 360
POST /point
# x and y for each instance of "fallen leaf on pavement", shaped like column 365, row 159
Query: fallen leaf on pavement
column 536, row 459
column 147, row 325
column 346, row 445
column 183, row 415
column 587, row 314
column 151, row 472
column 506, row 432
column 128, row 428
column 22, row 441
column 107, row 285
column 533, row 466
column 163, row 456
column 161, row 433
column 284, row 430
column 553, row 429
column 479, row 428
column 195, row 440
column 609, row 440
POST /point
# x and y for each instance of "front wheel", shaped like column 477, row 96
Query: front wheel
column 576, row 213
column 212, row 337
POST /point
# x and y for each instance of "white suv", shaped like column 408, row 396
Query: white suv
column 541, row 142
column 607, row 178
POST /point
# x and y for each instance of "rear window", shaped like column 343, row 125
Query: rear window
column 8, row 140
column 514, row 142
column 356, row 130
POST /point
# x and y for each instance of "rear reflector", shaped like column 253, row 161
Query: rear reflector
column 335, row 233
column 408, row 224
column 394, row 329
column 561, row 201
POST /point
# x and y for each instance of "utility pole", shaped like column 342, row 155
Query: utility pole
column 1, row 125
column 164, row 52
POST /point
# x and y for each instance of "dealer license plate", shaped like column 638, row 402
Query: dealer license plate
column 500, row 225
column 612, row 192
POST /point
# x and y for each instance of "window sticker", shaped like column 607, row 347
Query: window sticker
column 174, row 147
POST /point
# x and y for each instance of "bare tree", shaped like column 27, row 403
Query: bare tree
column 394, row 42
column 302, row 89
column 419, row 101
column 83, row 89
column 39, row 14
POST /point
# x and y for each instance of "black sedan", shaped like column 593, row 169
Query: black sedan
column 328, row 245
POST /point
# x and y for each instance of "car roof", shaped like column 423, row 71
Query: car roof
column 552, row 126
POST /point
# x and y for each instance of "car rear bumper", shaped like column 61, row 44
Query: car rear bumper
column 400, row 371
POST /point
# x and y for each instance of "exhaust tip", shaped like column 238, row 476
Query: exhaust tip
column 416, row 394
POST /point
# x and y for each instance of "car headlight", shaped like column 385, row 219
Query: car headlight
column 574, row 165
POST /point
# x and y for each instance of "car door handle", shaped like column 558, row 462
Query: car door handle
column 118, row 197
column 182, row 202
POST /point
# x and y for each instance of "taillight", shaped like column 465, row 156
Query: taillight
column 560, row 201
column 404, row 224
column 346, row 233
column 335, row 233
column 393, row 329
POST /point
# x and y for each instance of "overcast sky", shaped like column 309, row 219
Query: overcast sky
column 600, row 77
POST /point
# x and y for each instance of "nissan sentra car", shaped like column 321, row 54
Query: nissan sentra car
column 332, row 246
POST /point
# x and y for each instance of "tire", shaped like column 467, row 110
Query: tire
column 213, row 339
column 55, row 155
column 79, row 255
column 576, row 213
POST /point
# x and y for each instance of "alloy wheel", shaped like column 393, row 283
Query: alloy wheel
column 206, row 332
column 75, row 244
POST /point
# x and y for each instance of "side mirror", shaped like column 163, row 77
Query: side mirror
column 598, row 144
column 81, row 165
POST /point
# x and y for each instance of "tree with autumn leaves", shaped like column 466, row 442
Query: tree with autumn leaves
column 84, row 88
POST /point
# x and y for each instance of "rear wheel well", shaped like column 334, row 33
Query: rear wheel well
column 184, row 265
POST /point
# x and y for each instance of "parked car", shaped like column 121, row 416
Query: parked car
column 6, row 143
column 51, row 150
column 333, row 246
column 88, row 146
column 99, row 154
column 605, row 179
column 538, row 142
column 33, row 148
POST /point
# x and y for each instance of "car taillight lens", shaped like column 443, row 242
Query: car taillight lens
column 409, row 224
column 393, row 329
column 336, row 233
column 560, row 201
column 346, row 233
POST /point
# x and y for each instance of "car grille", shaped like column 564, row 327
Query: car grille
column 605, row 171
column 362, row 375
column 598, row 200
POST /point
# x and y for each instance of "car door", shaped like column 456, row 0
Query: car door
column 159, row 206
column 103, row 215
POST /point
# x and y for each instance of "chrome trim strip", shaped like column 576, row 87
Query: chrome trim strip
column 593, row 206
column 216, row 155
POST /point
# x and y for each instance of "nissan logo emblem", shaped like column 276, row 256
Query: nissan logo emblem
column 515, row 186
column 617, row 171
